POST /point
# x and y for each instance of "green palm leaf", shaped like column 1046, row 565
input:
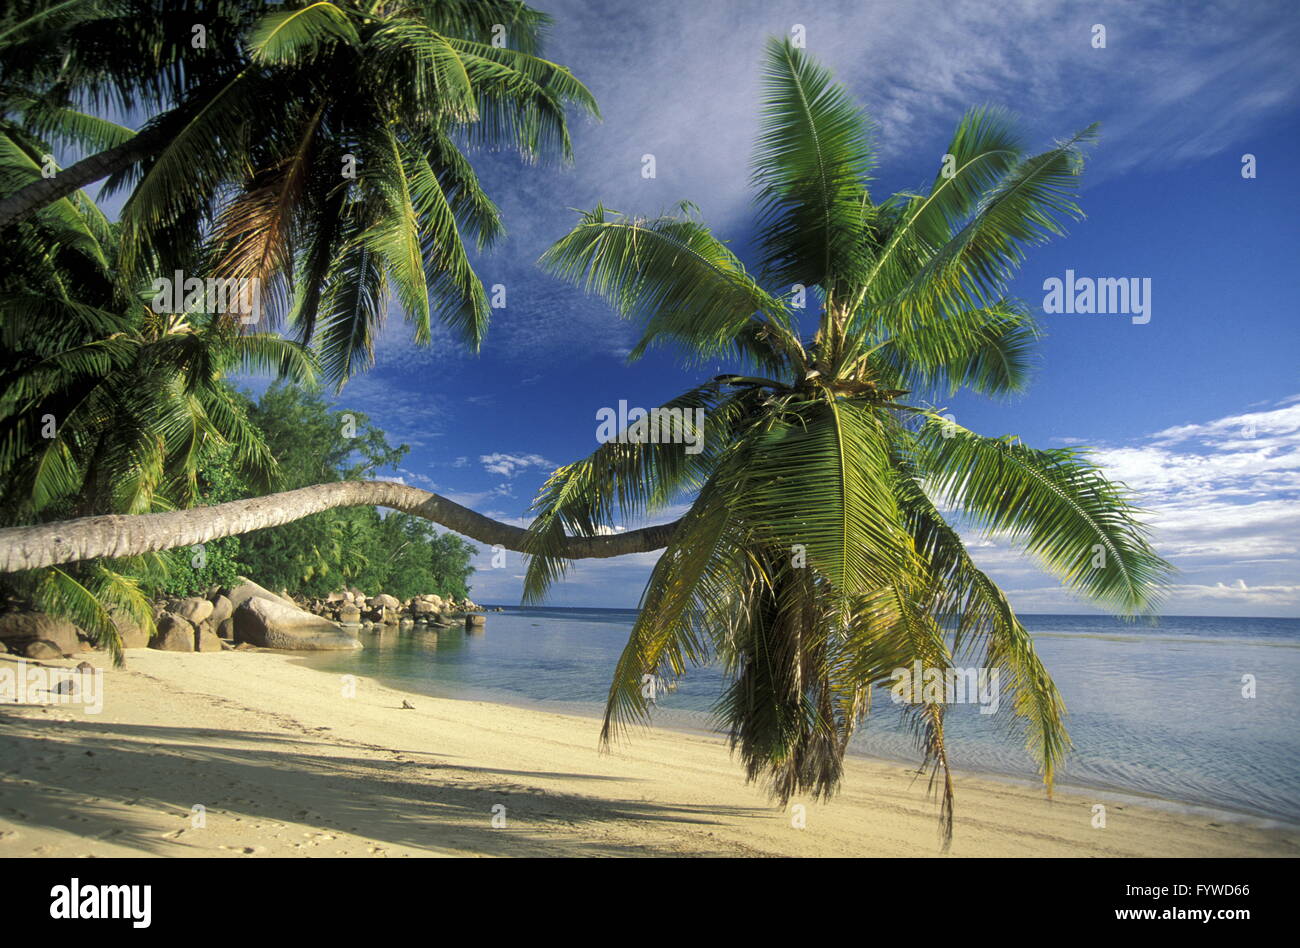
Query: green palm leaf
column 987, row 350
column 819, row 479
column 1029, row 204
column 978, row 612
column 1082, row 526
column 672, row 275
column 290, row 36
column 810, row 167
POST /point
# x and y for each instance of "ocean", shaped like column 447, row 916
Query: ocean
column 1153, row 711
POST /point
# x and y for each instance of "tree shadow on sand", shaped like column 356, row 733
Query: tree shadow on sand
column 74, row 776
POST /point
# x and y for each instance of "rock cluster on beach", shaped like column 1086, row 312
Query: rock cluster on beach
column 353, row 607
column 37, row 635
column 243, row 616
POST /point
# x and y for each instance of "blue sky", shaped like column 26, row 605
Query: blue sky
column 1198, row 410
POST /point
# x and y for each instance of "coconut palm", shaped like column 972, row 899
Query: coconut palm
column 106, row 405
column 816, row 555
column 322, row 152
column 131, row 56
column 103, row 401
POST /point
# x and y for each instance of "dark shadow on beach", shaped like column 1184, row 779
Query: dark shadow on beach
column 75, row 775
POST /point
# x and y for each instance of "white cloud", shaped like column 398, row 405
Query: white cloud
column 508, row 465
column 1221, row 499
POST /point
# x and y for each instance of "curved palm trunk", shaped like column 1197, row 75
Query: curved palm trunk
column 131, row 535
column 31, row 198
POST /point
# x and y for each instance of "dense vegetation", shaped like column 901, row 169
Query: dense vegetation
column 319, row 150
column 394, row 553
column 356, row 547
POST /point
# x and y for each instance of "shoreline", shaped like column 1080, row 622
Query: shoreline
column 674, row 721
column 284, row 765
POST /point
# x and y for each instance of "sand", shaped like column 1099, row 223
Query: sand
column 283, row 765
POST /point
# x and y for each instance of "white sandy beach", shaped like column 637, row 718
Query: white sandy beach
column 284, row 765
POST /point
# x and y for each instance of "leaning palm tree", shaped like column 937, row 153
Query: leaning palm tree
column 320, row 151
column 816, row 557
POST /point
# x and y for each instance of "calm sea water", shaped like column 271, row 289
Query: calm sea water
column 1152, row 710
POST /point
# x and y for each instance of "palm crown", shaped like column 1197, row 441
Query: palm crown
column 318, row 147
column 106, row 405
column 815, row 556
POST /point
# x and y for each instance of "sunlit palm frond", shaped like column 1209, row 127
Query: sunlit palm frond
column 977, row 612
column 818, row 481
column 289, row 36
column 1083, row 527
column 675, row 278
column 988, row 350
column 811, row 165
column 1029, row 204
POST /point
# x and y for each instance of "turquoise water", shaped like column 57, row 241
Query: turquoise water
column 1152, row 710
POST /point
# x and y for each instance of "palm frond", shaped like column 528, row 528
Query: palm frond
column 1083, row 527
column 1028, row 205
column 819, row 478
column 987, row 350
column 677, row 279
column 290, row 36
column 811, row 166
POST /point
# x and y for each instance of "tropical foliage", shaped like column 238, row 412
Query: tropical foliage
column 820, row 551
column 108, row 406
column 393, row 553
column 315, row 147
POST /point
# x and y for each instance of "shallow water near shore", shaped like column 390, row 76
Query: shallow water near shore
column 1153, row 710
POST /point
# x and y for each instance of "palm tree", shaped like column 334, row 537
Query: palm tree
column 135, row 56
column 336, row 130
column 106, row 405
column 815, row 557
column 104, row 401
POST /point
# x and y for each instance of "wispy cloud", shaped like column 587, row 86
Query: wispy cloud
column 1221, row 499
column 508, row 465
column 681, row 80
